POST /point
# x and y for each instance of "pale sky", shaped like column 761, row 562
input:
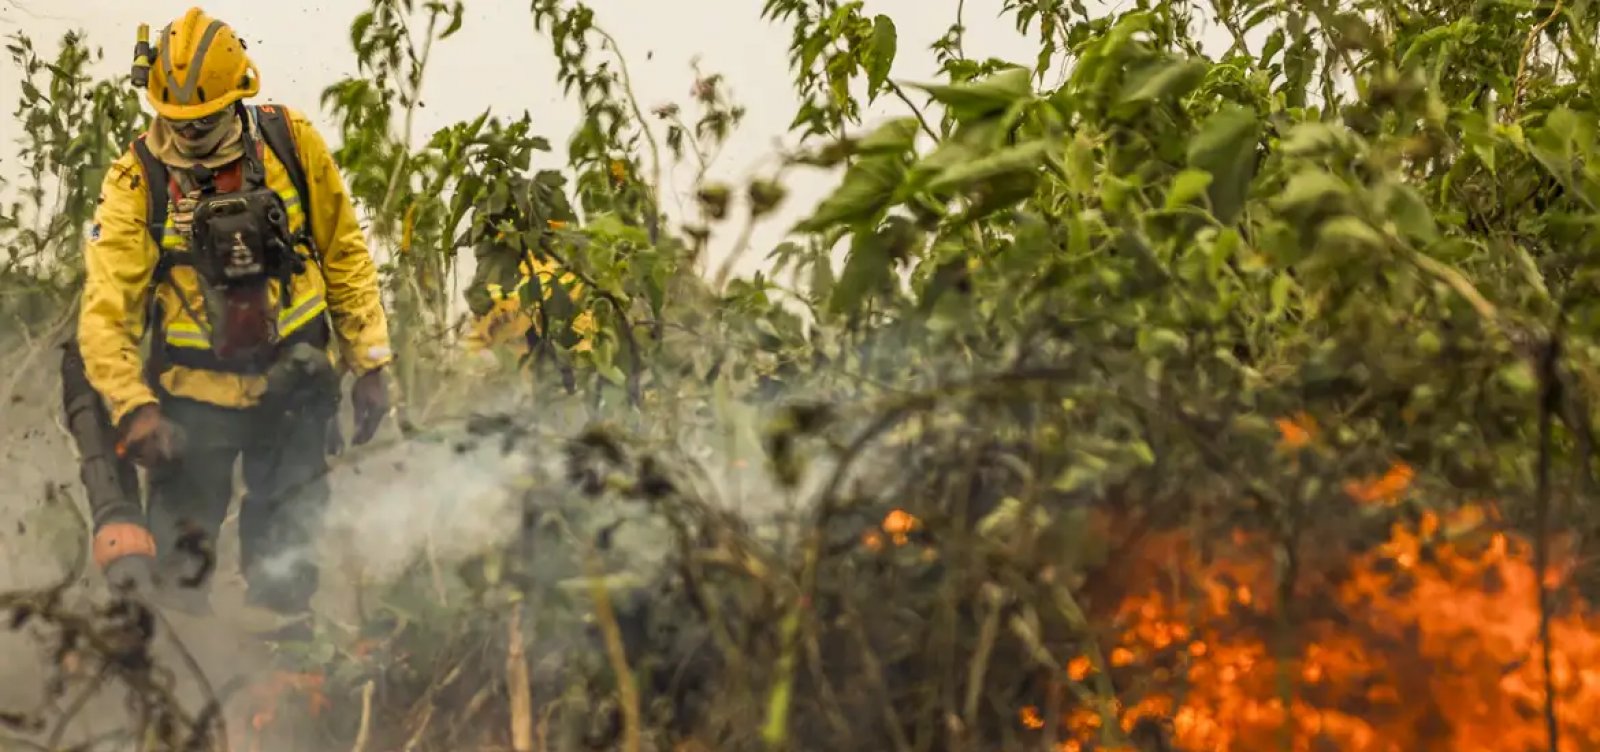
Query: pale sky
column 498, row 61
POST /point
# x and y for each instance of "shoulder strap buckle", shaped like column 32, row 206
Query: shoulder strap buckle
column 275, row 131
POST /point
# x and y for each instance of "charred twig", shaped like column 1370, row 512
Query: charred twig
column 464, row 720
column 979, row 665
column 542, row 734
column 75, row 707
column 875, row 675
column 189, row 661
column 832, row 711
column 776, row 730
column 1105, row 702
column 1549, row 403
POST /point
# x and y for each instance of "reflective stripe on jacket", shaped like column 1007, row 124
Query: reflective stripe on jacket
column 121, row 258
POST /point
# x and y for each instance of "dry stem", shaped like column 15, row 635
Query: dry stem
column 366, row 718
column 517, row 685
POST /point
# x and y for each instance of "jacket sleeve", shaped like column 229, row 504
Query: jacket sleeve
column 354, row 297
column 118, row 261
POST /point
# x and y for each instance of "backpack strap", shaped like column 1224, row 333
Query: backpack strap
column 155, row 178
column 275, row 130
column 157, row 199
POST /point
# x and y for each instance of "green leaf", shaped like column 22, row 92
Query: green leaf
column 897, row 135
column 992, row 94
column 1027, row 157
column 1282, row 285
column 1163, row 79
column 1080, row 163
column 947, row 155
column 867, row 268
column 1085, row 472
column 1223, row 248
column 822, row 276
column 1312, row 191
column 358, row 28
column 867, row 188
column 1409, row 212
column 1563, row 145
column 1519, row 378
column 456, row 10
column 1189, row 185
column 1312, row 139
column 1225, row 146
column 1348, row 235
column 1273, row 46
column 880, row 54
column 999, row 192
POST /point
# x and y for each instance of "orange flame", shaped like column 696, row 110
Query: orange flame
column 898, row 525
column 1428, row 641
column 268, row 697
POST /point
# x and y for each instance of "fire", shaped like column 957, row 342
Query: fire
column 267, row 697
column 1297, row 431
column 1428, row 641
column 897, row 525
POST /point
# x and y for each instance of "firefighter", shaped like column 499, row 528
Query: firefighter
column 226, row 238
column 505, row 266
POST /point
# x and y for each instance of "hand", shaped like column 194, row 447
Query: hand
column 370, row 399
column 147, row 437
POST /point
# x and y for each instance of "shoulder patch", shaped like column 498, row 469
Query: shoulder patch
column 94, row 233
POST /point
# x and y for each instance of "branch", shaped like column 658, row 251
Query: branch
column 1522, row 61
column 901, row 93
column 517, row 685
column 615, row 651
column 1463, row 287
column 638, row 114
column 366, row 718
column 1549, row 402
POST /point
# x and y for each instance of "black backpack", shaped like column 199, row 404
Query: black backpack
column 273, row 123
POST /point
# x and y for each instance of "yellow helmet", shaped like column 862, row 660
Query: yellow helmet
column 200, row 68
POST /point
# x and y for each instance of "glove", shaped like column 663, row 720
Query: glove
column 147, row 437
column 369, row 398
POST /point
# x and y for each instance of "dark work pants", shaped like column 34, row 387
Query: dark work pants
column 286, row 494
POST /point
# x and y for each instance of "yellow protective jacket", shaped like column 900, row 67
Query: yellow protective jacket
column 121, row 258
column 507, row 323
